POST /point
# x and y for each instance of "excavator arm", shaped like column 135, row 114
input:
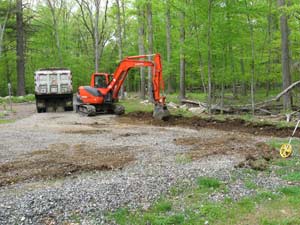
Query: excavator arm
column 128, row 63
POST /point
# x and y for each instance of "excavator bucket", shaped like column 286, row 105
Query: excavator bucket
column 161, row 112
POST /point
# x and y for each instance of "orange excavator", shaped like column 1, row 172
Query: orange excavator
column 102, row 94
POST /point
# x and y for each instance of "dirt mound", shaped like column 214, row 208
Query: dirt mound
column 195, row 122
column 60, row 160
column 256, row 154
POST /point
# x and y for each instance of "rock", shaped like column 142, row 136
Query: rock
column 197, row 110
column 172, row 105
column 184, row 107
column 145, row 102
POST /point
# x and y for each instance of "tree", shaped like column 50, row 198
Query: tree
column 90, row 15
column 3, row 26
column 209, row 58
column 286, row 74
column 20, row 49
column 119, row 34
column 150, row 45
column 53, row 5
column 141, row 39
column 182, row 56
column 168, row 43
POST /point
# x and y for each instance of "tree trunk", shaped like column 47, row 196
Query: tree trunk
column 96, row 34
column 55, row 29
column 222, row 81
column 242, row 64
column 2, row 28
column 232, row 67
column 182, row 56
column 286, row 74
column 119, row 28
column 252, row 64
column 90, row 15
column 209, row 60
column 150, row 47
column 126, row 85
column 142, row 50
column 20, row 49
column 168, row 29
column 201, row 68
column 269, row 66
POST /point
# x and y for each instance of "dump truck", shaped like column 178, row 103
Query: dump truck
column 53, row 90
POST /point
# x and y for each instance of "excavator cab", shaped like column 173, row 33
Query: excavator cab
column 100, row 80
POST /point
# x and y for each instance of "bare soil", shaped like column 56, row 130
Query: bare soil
column 20, row 110
column 256, row 154
column 197, row 123
column 238, row 141
column 61, row 160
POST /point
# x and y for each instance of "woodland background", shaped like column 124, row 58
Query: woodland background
column 214, row 47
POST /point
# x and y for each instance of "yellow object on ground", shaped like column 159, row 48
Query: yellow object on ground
column 286, row 150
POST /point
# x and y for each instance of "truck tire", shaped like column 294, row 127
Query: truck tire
column 50, row 108
column 60, row 109
column 39, row 110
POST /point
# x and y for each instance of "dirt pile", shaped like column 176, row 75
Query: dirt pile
column 61, row 160
column 195, row 122
column 256, row 154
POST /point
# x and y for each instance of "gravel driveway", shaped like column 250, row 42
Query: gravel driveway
column 153, row 168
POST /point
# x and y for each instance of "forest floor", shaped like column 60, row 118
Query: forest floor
column 61, row 168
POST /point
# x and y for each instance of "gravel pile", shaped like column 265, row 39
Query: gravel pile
column 154, row 170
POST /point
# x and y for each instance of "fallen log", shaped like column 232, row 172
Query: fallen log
column 186, row 101
column 293, row 85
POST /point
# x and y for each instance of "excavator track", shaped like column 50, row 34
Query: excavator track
column 86, row 110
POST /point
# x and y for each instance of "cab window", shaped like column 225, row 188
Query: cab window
column 100, row 82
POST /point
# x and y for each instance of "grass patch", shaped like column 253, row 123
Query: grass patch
column 208, row 182
column 291, row 191
column 250, row 185
column 163, row 206
column 292, row 176
column 18, row 99
column 289, row 168
column 263, row 208
column 183, row 159
column 133, row 105
column 6, row 121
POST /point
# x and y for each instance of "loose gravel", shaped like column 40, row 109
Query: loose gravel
column 155, row 169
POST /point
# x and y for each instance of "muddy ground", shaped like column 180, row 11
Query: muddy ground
column 61, row 160
column 196, row 122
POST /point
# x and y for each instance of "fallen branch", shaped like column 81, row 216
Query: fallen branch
column 289, row 115
column 286, row 90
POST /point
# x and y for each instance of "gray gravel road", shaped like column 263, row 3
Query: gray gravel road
column 156, row 167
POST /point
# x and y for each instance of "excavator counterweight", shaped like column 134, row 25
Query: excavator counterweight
column 102, row 94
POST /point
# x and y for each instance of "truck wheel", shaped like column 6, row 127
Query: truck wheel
column 69, row 108
column 60, row 109
column 39, row 110
column 50, row 109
